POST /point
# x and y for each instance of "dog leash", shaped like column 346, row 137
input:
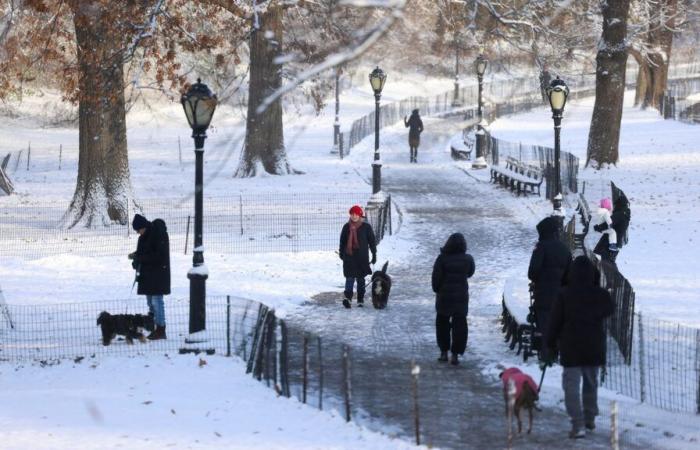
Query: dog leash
column 539, row 386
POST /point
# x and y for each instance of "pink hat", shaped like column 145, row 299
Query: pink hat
column 606, row 203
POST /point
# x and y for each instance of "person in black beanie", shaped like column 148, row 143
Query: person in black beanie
column 151, row 260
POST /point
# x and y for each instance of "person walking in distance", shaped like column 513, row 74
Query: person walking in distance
column 576, row 328
column 415, row 125
column 356, row 242
column 549, row 264
column 152, row 261
column 449, row 281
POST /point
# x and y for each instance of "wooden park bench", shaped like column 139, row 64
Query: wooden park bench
column 518, row 176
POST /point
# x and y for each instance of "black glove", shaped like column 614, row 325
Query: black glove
column 342, row 256
column 131, row 255
column 135, row 264
column 374, row 259
column 600, row 227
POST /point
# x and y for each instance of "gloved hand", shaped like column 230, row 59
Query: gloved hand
column 548, row 358
column 341, row 255
column 131, row 255
column 135, row 265
column 599, row 228
column 374, row 259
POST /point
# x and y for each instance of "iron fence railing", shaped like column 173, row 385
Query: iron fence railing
column 244, row 223
column 681, row 100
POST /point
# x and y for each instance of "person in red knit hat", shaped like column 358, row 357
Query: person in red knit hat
column 356, row 241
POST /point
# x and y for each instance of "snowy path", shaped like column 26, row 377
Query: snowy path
column 460, row 407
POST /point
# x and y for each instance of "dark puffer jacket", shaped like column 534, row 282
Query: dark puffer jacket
column 450, row 272
column 576, row 321
column 153, row 260
column 357, row 264
column 548, row 264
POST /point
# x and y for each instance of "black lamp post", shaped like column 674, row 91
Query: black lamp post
column 557, row 93
column 336, row 124
column 480, row 65
column 377, row 79
column 455, row 100
column 199, row 104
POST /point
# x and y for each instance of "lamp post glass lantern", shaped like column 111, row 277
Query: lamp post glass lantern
column 557, row 93
column 199, row 104
column 480, row 65
column 377, row 78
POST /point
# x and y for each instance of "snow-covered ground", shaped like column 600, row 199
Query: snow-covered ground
column 173, row 402
column 164, row 402
column 658, row 170
column 91, row 407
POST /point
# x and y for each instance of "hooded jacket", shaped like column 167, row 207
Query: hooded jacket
column 576, row 320
column 153, row 259
column 548, row 264
column 450, row 272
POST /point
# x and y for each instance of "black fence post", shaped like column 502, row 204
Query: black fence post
column 415, row 370
column 305, row 369
column 187, row 233
column 320, row 374
column 642, row 393
column 228, row 325
column 346, row 381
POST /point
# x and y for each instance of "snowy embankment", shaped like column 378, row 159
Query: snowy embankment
column 160, row 401
column 658, row 170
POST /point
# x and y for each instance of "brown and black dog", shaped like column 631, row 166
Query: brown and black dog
column 525, row 393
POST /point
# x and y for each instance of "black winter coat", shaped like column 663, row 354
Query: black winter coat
column 620, row 219
column 576, row 320
column 450, row 272
column 357, row 264
column 548, row 264
column 153, row 260
column 416, row 126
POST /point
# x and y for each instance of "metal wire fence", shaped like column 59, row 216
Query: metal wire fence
column 246, row 223
column 651, row 360
column 681, row 100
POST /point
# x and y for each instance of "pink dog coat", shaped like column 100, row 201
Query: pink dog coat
column 519, row 379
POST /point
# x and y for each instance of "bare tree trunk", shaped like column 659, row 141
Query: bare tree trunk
column 264, row 141
column 659, row 42
column 611, row 60
column 643, row 77
column 103, row 183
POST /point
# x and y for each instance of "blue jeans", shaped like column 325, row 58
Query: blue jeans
column 157, row 308
column 349, row 282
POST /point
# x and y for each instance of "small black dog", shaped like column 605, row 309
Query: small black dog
column 127, row 325
column 381, row 285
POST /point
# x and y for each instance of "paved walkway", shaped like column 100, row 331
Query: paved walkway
column 460, row 407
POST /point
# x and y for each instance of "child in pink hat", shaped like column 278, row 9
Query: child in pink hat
column 604, row 213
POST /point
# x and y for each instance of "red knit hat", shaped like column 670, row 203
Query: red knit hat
column 357, row 209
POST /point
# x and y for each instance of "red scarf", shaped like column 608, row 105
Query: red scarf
column 353, row 243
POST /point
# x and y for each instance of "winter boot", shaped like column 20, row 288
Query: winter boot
column 455, row 359
column 443, row 357
column 613, row 247
column 158, row 333
column 576, row 433
column 590, row 425
column 360, row 301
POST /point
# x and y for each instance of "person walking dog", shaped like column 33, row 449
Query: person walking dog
column 450, row 272
column 576, row 328
column 356, row 242
column 549, row 264
column 152, row 262
column 415, row 125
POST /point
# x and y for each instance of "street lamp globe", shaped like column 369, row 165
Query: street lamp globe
column 557, row 93
column 199, row 104
column 480, row 65
column 377, row 79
